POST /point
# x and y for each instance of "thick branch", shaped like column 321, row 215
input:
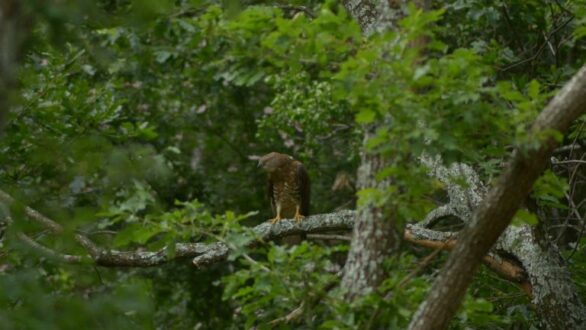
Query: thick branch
column 554, row 296
column 432, row 239
column 498, row 207
column 206, row 254
column 203, row 253
column 343, row 220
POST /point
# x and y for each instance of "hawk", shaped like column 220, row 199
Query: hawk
column 288, row 186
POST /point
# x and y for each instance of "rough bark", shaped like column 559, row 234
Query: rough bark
column 543, row 276
column 364, row 12
column 203, row 254
column 495, row 212
column 319, row 223
column 507, row 269
column 375, row 236
column 554, row 294
column 380, row 16
column 207, row 254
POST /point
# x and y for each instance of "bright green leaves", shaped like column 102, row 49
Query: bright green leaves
column 430, row 102
column 294, row 56
column 287, row 277
column 422, row 101
column 391, row 306
column 365, row 116
column 245, row 62
column 550, row 190
column 524, row 217
column 132, row 202
column 189, row 221
column 370, row 197
column 478, row 311
column 305, row 112
column 135, row 233
column 523, row 109
column 323, row 41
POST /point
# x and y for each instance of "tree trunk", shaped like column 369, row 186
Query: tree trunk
column 545, row 276
column 497, row 209
column 554, row 294
column 375, row 235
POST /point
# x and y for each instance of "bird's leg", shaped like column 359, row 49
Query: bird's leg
column 275, row 219
column 278, row 217
column 298, row 216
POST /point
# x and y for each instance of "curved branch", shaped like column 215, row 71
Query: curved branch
column 203, row 253
column 206, row 254
column 496, row 210
column 509, row 270
column 436, row 215
column 33, row 214
column 66, row 258
column 51, row 225
column 342, row 220
column 115, row 258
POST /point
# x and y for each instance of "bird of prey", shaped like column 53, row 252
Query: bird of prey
column 288, row 186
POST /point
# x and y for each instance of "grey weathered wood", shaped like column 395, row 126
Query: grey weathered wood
column 496, row 210
column 375, row 236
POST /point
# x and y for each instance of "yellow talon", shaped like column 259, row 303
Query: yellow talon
column 298, row 216
column 275, row 219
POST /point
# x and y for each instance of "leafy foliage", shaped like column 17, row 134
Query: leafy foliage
column 139, row 123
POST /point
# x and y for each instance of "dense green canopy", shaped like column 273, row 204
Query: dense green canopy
column 139, row 123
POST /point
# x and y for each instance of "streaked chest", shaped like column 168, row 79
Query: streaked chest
column 285, row 186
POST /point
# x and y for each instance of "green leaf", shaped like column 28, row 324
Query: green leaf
column 533, row 89
column 524, row 217
column 365, row 116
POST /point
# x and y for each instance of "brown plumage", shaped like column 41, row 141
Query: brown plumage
column 288, row 186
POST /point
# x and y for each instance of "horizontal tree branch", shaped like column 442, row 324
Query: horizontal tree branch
column 51, row 225
column 66, row 258
column 329, row 237
column 319, row 223
column 33, row 214
column 205, row 254
column 495, row 212
column 433, row 239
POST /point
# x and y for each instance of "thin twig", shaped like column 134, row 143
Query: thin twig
column 330, row 237
column 573, row 161
column 67, row 258
column 298, row 9
column 540, row 50
column 292, row 315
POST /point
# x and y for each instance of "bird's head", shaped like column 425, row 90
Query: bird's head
column 272, row 161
